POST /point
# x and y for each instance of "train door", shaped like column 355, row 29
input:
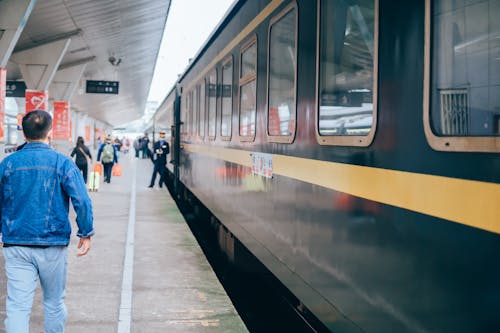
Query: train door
column 176, row 139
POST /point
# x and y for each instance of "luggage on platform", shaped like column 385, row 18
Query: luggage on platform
column 98, row 168
column 94, row 181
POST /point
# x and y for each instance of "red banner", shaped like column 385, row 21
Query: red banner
column 60, row 125
column 87, row 133
column 37, row 100
column 3, row 83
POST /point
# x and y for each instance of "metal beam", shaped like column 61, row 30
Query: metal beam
column 13, row 17
column 39, row 65
column 49, row 40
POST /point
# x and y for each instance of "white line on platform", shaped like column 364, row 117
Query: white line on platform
column 125, row 317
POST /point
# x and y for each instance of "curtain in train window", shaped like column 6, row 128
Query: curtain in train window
column 212, row 103
column 248, row 91
column 282, row 65
column 346, row 67
column 465, row 68
column 227, row 98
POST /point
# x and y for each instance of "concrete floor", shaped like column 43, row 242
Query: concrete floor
column 173, row 288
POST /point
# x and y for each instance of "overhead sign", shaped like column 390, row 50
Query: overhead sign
column 37, row 100
column 61, row 123
column 15, row 89
column 102, row 87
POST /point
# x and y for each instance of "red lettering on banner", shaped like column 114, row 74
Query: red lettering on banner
column 61, row 121
column 3, row 83
column 37, row 100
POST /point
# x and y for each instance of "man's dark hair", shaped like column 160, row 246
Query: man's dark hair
column 36, row 124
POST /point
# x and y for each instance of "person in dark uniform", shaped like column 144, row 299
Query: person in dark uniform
column 160, row 152
column 83, row 157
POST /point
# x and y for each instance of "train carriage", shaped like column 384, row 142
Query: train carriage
column 353, row 147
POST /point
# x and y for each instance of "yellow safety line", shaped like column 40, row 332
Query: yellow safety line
column 472, row 203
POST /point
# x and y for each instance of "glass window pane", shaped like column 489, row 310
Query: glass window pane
column 282, row 64
column 201, row 129
column 249, row 60
column 465, row 78
column 248, row 109
column 212, row 103
column 346, row 67
column 227, row 98
column 196, row 110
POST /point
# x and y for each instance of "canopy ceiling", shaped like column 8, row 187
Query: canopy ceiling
column 130, row 31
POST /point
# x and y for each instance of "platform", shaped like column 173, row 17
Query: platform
column 145, row 271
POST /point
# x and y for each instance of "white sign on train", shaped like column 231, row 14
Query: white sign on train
column 262, row 164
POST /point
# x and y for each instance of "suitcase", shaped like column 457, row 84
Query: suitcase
column 94, row 181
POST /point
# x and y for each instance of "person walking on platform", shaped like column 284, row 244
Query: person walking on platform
column 160, row 152
column 83, row 156
column 36, row 185
column 145, row 147
column 109, row 157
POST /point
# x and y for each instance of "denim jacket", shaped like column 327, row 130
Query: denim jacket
column 36, row 184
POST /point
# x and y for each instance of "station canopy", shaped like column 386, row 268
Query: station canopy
column 118, row 40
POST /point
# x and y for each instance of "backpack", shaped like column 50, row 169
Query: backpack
column 108, row 153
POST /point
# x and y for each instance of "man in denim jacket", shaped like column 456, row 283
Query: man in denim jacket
column 36, row 184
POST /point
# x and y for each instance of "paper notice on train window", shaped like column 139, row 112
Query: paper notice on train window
column 262, row 164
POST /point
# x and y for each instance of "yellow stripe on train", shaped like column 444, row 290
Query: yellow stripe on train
column 472, row 203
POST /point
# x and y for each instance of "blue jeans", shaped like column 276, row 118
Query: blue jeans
column 23, row 266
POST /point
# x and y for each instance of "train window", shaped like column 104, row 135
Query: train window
column 462, row 79
column 184, row 103
column 227, row 99
column 249, row 58
column 282, row 76
column 189, row 115
column 248, row 90
column 347, row 59
column 201, row 93
column 212, row 103
column 196, row 110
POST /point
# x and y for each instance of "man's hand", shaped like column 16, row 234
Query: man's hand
column 84, row 245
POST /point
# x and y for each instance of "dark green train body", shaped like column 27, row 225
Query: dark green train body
column 387, row 227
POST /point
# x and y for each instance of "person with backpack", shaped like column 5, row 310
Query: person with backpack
column 161, row 150
column 83, row 157
column 108, row 153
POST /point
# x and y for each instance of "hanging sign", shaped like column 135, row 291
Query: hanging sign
column 37, row 100
column 60, row 124
column 15, row 89
column 102, row 87
column 3, row 80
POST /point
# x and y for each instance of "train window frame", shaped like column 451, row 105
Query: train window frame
column 349, row 140
column 276, row 18
column 202, row 91
column 227, row 60
column 443, row 142
column 207, row 96
column 244, row 80
column 196, row 111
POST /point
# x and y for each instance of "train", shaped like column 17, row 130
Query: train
column 353, row 147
